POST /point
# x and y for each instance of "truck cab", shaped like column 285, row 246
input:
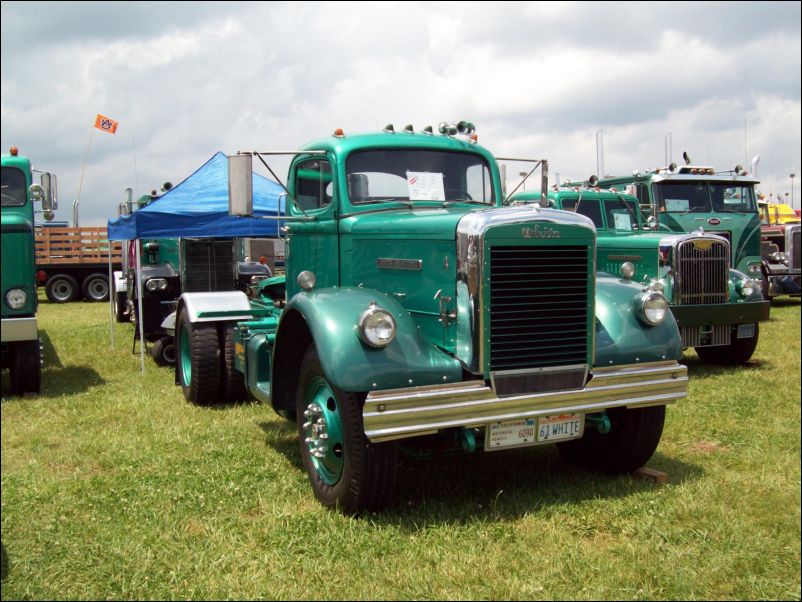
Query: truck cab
column 21, row 349
column 689, row 197
column 717, row 308
column 421, row 314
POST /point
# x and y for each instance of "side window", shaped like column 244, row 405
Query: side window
column 479, row 183
column 313, row 184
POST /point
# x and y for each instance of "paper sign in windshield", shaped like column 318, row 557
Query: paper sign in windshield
column 622, row 221
column 677, row 205
column 425, row 186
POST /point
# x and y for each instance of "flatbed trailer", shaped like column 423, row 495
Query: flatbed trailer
column 74, row 262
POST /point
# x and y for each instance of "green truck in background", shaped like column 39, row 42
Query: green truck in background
column 423, row 316
column 717, row 308
column 21, row 347
column 689, row 197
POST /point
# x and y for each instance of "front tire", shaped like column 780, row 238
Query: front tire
column 198, row 360
column 26, row 367
column 738, row 352
column 346, row 471
column 163, row 351
column 633, row 437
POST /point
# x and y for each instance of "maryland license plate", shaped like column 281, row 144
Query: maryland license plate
column 531, row 431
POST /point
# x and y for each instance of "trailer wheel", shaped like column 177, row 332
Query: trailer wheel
column 346, row 471
column 96, row 287
column 61, row 288
column 163, row 351
column 198, row 360
column 739, row 351
column 26, row 367
column 232, row 381
column 633, row 437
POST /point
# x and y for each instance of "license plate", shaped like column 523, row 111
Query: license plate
column 531, row 431
column 746, row 331
column 563, row 426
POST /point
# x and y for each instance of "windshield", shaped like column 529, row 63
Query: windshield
column 13, row 182
column 591, row 209
column 701, row 197
column 411, row 175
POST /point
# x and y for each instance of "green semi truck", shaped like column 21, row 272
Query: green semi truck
column 21, row 348
column 421, row 314
column 717, row 308
column 689, row 197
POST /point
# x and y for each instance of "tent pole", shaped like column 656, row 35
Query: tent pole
column 111, row 299
column 139, row 301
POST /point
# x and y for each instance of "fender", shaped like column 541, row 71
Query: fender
column 224, row 306
column 621, row 337
column 332, row 316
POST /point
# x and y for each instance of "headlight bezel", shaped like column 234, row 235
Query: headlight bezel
column 746, row 287
column 653, row 297
column 367, row 325
column 20, row 294
column 155, row 285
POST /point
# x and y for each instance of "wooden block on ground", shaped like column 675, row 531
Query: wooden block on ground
column 651, row 475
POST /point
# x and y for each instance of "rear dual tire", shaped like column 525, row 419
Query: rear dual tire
column 205, row 362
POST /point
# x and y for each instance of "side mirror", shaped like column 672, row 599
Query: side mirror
column 49, row 197
column 240, row 185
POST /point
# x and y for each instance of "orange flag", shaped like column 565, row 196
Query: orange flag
column 107, row 125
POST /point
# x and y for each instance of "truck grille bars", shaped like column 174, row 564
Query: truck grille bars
column 538, row 307
column 701, row 272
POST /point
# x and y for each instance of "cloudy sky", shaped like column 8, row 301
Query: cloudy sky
column 186, row 80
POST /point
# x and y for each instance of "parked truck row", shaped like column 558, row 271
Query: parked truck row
column 422, row 309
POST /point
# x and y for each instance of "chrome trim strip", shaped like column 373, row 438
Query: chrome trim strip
column 391, row 263
column 470, row 269
column 19, row 329
column 413, row 411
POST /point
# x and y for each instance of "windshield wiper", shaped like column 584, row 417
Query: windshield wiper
column 471, row 201
column 692, row 209
column 387, row 200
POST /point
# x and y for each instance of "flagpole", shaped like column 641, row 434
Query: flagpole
column 83, row 168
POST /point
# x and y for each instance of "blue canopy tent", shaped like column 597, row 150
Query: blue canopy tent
column 198, row 208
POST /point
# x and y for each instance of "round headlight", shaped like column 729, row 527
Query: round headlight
column 16, row 298
column 627, row 270
column 377, row 326
column 746, row 287
column 654, row 308
column 156, row 284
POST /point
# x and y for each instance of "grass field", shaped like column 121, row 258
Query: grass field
column 114, row 487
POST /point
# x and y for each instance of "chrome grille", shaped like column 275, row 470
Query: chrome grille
column 208, row 265
column 538, row 306
column 705, row 336
column 792, row 246
column 701, row 275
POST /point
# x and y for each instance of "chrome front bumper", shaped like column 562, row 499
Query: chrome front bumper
column 414, row 411
column 19, row 329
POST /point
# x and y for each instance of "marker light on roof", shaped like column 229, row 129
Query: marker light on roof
column 409, row 129
column 14, row 151
column 389, row 128
column 338, row 133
